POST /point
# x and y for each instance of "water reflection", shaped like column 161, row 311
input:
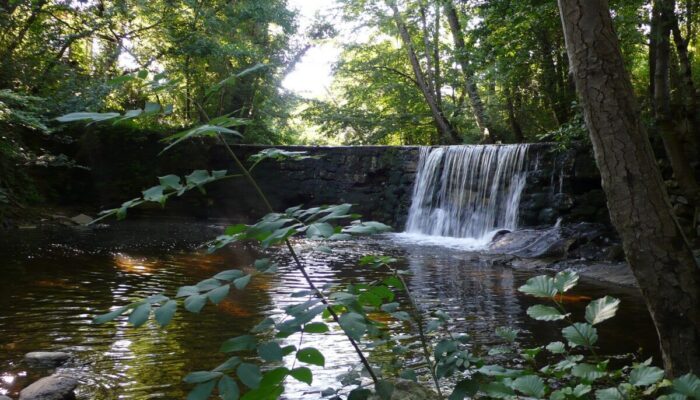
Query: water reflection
column 60, row 280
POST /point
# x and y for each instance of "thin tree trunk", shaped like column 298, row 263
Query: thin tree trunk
column 689, row 94
column 477, row 105
column 446, row 131
column 662, row 101
column 512, row 118
column 436, row 56
column 656, row 248
column 427, row 52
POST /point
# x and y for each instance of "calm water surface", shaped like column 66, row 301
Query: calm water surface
column 54, row 281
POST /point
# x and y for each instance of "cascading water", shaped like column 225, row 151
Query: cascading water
column 467, row 191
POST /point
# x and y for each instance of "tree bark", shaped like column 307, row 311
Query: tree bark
column 654, row 244
column 512, row 118
column 445, row 129
column 665, row 15
column 480, row 115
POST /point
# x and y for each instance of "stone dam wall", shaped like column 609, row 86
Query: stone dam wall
column 378, row 180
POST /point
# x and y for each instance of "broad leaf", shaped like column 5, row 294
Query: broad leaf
column 270, row 351
column 645, row 375
column 201, row 376
column 311, row 355
column 545, row 313
column 556, row 348
column 600, row 310
column 530, row 385
column 539, row 286
column 565, row 280
column 140, row 314
column 228, row 389
column 580, row 334
column 687, row 385
column 240, row 343
column 164, row 314
column 249, row 374
column 302, row 374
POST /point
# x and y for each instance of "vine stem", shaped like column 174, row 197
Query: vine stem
column 419, row 322
column 297, row 261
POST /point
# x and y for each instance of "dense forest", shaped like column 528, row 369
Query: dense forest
column 614, row 80
column 419, row 72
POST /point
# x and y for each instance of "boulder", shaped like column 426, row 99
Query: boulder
column 54, row 387
column 5, row 398
column 408, row 390
column 47, row 358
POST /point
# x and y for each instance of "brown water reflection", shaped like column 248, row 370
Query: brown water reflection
column 55, row 281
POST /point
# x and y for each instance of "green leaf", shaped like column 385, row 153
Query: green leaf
column 101, row 319
column 311, row 355
column 228, row 365
column 143, row 74
column 600, row 310
column 164, row 314
column 270, row 351
column 556, row 348
column 229, row 275
column 608, row 394
column 581, row 390
column 154, row 194
column 401, row 315
column 384, row 389
column 530, row 385
column 359, row 394
column 319, row 230
column 274, row 377
column 565, row 280
column 353, row 324
column 240, row 343
column 645, row 375
column 202, row 130
column 539, row 286
column 151, row 108
column 316, row 327
column 218, row 294
column 465, row 389
column 587, row 372
column 497, row 390
column 195, row 303
column 580, row 334
column 264, row 325
column 140, row 314
column 228, row 389
column 302, row 374
column 242, row 282
column 506, row 333
column 87, row 116
column 170, row 181
column 202, row 391
column 186, row 291
column 545, row 313
column 687, row 385
column 249, row 374
column 201, row 376
column 409, row 374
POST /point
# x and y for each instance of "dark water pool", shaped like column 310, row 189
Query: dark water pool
column 55, row 280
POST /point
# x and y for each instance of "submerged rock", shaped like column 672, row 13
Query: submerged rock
column 47, row 358
column 408, row 390
column 54, row 387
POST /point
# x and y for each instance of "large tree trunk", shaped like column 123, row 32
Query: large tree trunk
column 446, row 130
column 656, row 248
column 480, row 115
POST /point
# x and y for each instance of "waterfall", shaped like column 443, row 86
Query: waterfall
column 467, row 191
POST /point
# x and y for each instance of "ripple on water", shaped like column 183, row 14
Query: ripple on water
column 77, row 274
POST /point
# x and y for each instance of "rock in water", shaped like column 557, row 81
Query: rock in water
column 408, row 390
column 47, row 358
column 54, row 387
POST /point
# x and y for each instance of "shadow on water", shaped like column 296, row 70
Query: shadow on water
column 55, row 280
